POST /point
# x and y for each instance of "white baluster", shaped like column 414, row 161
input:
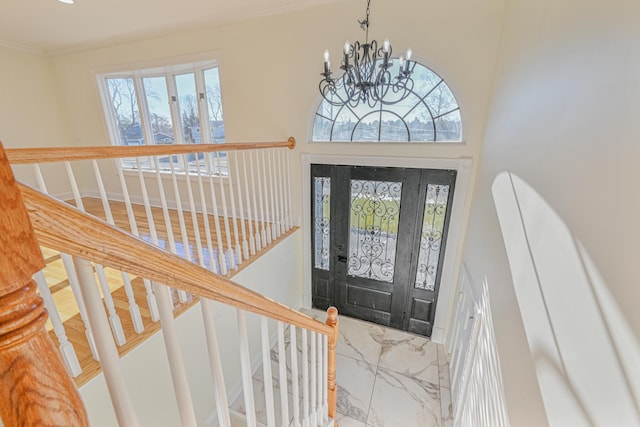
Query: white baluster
column 151, row 298
column 71, row 275
column 182, row 295
column 222, row 262
column 282, row 368
column 134, row 310
column 264, row 189
column 219, row 390
column 268, row 377
column 234, row 213
column 319, row 417
column 114, row 319
column 283, row 209
column 305, row 379
column 294, row 376
column 109, row 358
column 325, row 378
column 77, row 293
column 245, row 363
column 223, row 199
column 183, row 227
column 256, row 208
column 67, row 351
column 205, row 217
column 249, row 212
column 194, row 216
column 176, row 365
column 275, row 225
column 290, row 206
column 313, row 369
column 242, row 214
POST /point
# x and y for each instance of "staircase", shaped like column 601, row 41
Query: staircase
column 212, row 226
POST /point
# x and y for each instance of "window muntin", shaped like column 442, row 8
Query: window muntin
column 174, row 104
column 430, row 113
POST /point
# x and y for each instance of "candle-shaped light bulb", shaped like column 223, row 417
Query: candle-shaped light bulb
column 326, row 56
column 401, row 61
column 401, row 68
column 409, row 53
column 347, row 47
column 386, row 45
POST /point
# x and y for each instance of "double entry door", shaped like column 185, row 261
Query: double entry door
column 378, row 241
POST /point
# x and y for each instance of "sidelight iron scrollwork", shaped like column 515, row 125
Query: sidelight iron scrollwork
column 431, row 238
column 322, row 221
column 373, row 225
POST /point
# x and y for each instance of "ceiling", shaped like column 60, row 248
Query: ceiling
column 50, row 26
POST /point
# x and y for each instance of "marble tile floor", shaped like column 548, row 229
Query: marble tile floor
column 386, row 378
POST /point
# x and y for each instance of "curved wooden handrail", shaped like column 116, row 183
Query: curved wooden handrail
column 19, row 156
column 62, row 227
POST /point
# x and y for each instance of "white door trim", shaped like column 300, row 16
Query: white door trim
column 454, row 237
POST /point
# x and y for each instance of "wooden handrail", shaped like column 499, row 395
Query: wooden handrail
column 62, row 227
column 19, row 156
column 35, row 388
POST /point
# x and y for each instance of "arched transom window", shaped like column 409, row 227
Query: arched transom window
column 430, row 113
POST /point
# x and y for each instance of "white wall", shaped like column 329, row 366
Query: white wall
column 277, row 275
column 564, row 122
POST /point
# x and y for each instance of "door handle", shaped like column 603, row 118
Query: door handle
column 342, row 258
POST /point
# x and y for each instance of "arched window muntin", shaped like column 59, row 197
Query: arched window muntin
column 429, row 114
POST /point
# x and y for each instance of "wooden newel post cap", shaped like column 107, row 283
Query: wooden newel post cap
column 20, row 255
column 332, row 316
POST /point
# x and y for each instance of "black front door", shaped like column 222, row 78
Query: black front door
column 378, row 241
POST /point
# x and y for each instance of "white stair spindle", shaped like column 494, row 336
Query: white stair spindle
column 67, row 351
column 134, row 310
column 176, row 365
column 77, row 293
column 294, row 376
column 71, row 275
column 305, row 379
column 236, row 182
column 289, row 203
column 283, row 209
column 268, row 377
column 223, row 199
column 275, row 223
column 219, row 390
column 234, row 212
column 319, row 418
column 183, row 227
column 313, row 385
column 258, row 211
column 151, row 298
column 114, row 319
column 182, row 295
column 222, row 264
column 261, row 195
column 245, row 363
column 325, row 378
column 109, row 358
column 282, row 369
column 194, row 216
column 264, row 189
column 249, row 212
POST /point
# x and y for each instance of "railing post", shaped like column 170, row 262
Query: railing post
column 35, row 388
column 332, row 320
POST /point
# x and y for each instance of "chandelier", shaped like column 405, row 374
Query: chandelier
column 367, row 76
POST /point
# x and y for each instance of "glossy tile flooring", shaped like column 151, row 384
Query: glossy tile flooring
column 386, row 378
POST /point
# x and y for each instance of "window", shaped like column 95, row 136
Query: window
column 429, row 114
column 179, row 104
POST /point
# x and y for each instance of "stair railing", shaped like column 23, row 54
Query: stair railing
column 216, row 205
column 87, row 240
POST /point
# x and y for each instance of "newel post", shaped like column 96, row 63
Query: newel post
column 332, row 395
column 35, row 388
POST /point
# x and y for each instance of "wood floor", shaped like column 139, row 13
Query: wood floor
column 60, row 288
